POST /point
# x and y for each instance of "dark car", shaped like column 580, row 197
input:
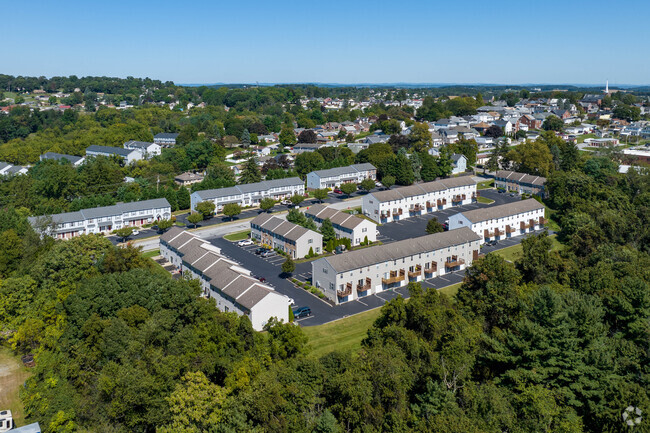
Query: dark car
column 301, row 312
column 266, row 253
column 262, row 279
column 260, row 250
column 445, row 226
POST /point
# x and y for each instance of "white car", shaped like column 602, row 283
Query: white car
column 245, row 242
column 135, row 233
column 291, row 301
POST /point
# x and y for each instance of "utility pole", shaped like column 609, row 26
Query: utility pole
column 157, row 183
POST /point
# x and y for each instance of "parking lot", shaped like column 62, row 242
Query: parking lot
column 323, row 311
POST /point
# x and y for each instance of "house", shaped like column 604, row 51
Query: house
column 502, row 221
column 146, row 149
column 290, row 238
column 249, row 194
column 165, row 139
column 458, row 163
column 400, row 203
column 260, row 151
column 128, row 155
column 373, row 139
column 505, row 125
column 522, row 183
column 467, row 132
column 102, row 219
column 74, row 160
column 355, row 274
column 601, row 142
column 345, row 225
column 7, row 169
column 333, row 177
column 306, row 147
column 188, row 178
column 232, row 286
column 485, row 141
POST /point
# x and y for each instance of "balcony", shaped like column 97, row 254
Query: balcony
column 394, row 277
column 497, row 232
column 430, row 268
column 523, row 225
column 453, row 262
column 415, row 208
column 399, row 212
column 476, row 254
column 416, row 273
column 441, row 202
column 542, row 221
column 531, row 223
column 385, row 214
column 364, row 287
column 509, row 229
column 456, row 199
column 487, row 234
column 347, row 291
column 429, row 205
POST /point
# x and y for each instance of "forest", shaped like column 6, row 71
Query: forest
column 556, row 341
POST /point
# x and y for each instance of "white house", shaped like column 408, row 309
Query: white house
column 399, row 203
column 359, row 273
column 7, row 169
column 249, row 194
column 295, row 240
column 233, row 287
column 129, row 155
column 503, row 221
column 102, row 219
column 458, row 163
column 72, row 159
column 146, row 149
column 334, row 177
column 165, row 139
column 345, row 225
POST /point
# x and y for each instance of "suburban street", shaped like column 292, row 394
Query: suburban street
column 324, row 311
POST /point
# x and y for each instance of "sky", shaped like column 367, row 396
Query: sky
column 348, row 42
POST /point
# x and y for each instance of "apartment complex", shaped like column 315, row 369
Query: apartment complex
column 102, row 219
column 72, row 159
column 128, row 155
column 249, row 194
column 355, row 274
column 334, row 177
column 520, row 182
column 503, row 221
column 145, row 148
column 399, row 203
column 288, row 237
column 232, row 287
column 166, row 139
column 345, row 225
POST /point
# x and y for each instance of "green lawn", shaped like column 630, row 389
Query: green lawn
column 514, row 252
column 450, row 290
column 485, row 200
column 12, row 377
column 238, row 236
column 485, row 185
column 345, row 334
column 150, row 254
column 581, row 139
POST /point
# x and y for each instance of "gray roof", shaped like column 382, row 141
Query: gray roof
column 334, row 215
column 168, row 135
column 341, row 171
column 514, row 176
column 422, row 188
column 14, row 169
column 398, row 250
column 286, row 229
column 4, row 164
column 456, row 156
column 30, row 428
column 265, row 185
column 58, row 156
column 503, row 210
column 137, row 144
column 109, row 150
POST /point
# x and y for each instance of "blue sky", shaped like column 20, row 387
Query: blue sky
column 509, row 42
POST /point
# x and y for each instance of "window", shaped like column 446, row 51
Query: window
column 310, row 241
column 364, row 230
column 324, row 270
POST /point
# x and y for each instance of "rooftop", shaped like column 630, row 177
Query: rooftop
column 503, row 210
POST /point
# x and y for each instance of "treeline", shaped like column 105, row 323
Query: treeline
column 111, row 85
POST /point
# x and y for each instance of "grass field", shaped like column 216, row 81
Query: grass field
column 12, row 377
column 581, row 139
column 514, row 252
column 238, row 236
column 484, row 200
column 450, row 290
column 153, row 253
column 485, row 185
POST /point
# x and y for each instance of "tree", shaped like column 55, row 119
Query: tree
column 124, row 233
column 494, row 131
column 195, row 218
column 348, row 188
column 400, row 167
column 627, row 112
column 287, row 137
column 206, row 208
column 165, row 224
column 327, row 230
column 267, row 203
column 433, row 226
column 420, row 137
column 320, row 194
column 307, row 162
column 251, row 172
column 183, row 198
column 296, row 199
column 388, row 181
column 553, row 123
column 307, row 136
column 246, row 138
column 367, row 184
column 469, row 148
column 288, row 266
column 532, row 157
column 231, row 210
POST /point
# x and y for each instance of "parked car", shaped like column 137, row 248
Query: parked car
column 337, row 191
column 135, row 233
column 266, row 253
column 291, row 301
column 262, row 279
column 260, row 250
column 245, row 242
column 301, row 312
column 445, row 226
column 286, row 202
column 378, row 184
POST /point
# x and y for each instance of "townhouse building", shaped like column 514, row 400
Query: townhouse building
column 102, row 219
column 503, row 221
column 7, row 169
column 232, row 286
column 522, row 183
column 147, row 149
column 165, row 139
column 72, row 159
column 249, row 194
column 345, row 225
column 334, row 177
column 419, row 199
column 355, row 274
column 286, row 236
column 128, row 155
